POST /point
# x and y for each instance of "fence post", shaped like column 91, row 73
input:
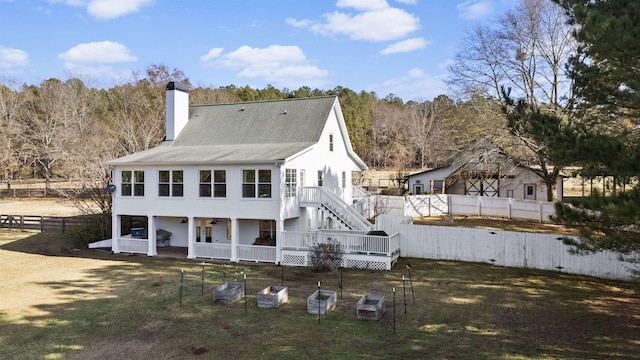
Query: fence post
column 21, row 222
column 41, row 224
column 63, row 225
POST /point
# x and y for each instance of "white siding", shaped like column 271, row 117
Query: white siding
column 191, row 204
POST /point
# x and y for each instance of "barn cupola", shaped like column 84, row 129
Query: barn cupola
column 177, row 109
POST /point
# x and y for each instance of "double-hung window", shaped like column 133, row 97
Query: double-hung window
column 170, row 183
column 256, row 183
column 217, row 182
column 291, row 182
column 132, row 183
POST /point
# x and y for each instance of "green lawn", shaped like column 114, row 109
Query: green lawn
column 59, row 303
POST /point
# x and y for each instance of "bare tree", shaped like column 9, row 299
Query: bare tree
column 47, row 123
column 12, row 134
column 525, row 50
column 427, row 129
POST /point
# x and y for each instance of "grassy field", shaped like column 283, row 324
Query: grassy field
column 58, row 302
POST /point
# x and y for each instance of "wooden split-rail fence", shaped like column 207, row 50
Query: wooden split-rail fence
column 43, row 223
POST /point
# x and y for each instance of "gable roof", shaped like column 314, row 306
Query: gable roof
column 261, row 131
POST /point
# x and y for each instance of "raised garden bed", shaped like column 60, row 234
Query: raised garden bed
column 370, row 307
column 322, row 301
column 228, row 293
column 273, row 296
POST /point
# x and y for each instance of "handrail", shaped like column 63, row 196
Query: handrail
column 343, row 211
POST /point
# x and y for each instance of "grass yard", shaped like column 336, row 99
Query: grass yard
column 56, row 302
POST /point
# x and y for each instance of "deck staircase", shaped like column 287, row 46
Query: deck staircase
column 341, row 211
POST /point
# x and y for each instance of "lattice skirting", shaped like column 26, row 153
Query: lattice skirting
column 364, row 264
column 294, row 260
column 300, row 258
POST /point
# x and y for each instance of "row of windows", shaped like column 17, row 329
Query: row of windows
column 255, row 183
column 213, row 183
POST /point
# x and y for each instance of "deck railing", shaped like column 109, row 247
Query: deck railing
column 212, row 250
column 312, row 196
column 132, row 245
column 349, row 242
column 257, row 253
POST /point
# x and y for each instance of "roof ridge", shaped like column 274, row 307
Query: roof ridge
column 267, row 101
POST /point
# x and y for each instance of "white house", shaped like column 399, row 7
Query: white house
column 258, row 181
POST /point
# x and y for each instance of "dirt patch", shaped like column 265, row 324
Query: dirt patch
column 492, row 223
column 40, row 207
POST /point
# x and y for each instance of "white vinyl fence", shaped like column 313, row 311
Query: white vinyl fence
column 504, row 248
column 433, row 205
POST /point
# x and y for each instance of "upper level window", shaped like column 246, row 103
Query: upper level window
column 132, row 183
column 344, row 179
column 205, row 183
column 218, row 183
column 256, row 183
column 330, row 142
column 320, row 177
column 291, row 182
column 170, row 183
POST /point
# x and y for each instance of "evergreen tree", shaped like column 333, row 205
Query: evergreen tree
column 606, row 84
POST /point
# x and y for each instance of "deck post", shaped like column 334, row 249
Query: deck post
column 191, row 237
column 151, row 236
column 235, row 235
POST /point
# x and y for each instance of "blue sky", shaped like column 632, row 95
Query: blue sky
column 399, row 47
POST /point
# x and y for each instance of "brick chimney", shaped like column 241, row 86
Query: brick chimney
column 177, row 109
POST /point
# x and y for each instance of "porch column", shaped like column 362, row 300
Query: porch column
column 279, row 238
column 235, row 237
column 151, row 236
column 191, row 237
column 115, row 233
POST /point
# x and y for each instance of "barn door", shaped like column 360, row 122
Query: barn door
column 483, row 187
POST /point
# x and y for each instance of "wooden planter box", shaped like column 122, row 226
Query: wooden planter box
column 228, row 293
column 370, row 307
column 273, row 296
column 321, row 300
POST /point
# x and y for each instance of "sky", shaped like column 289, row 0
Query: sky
column 399, row 47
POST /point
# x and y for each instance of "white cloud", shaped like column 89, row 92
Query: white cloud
column 299, row 23
column 111, row 9
column 409, row 2
column 405, row 46
column 103, row 52
column 373, row 20
column 376, row 25
column 275, row 64
column 363, row 4
column 107, row 9
column 414, row 85
column 13, row 58
column 474, row 9
column 212, row 54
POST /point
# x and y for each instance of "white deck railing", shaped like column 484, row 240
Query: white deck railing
column 349, row 242
column 132, row 245
column 311, row 195
column 257, row 253
column 212, row 250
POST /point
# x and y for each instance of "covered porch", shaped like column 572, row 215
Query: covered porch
column 198, row 237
